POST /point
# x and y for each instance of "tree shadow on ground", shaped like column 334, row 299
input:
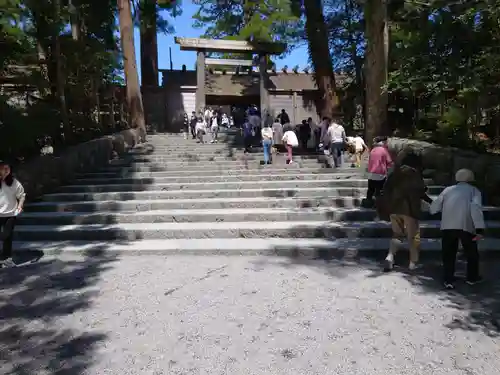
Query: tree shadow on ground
column 40, row 295
column 35, row 300
column 480, row 302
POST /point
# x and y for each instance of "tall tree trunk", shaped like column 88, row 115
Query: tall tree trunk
column 358, row 65
column 317, row 36
column 96, row 110
column 74, row 20
column 59, row 73
column 149, row 44
column 376, row 69
column 44, row 69
column 112, row 120
column 78, row 92
column 134, row 97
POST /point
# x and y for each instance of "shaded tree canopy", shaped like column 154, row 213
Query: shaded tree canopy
column 60, row 57
column 52, row 73
column 256, row 20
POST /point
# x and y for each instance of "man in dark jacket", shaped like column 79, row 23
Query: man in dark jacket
column 402, row 198
column 284, row 118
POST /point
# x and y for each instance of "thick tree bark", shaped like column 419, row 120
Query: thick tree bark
column 112, row 120
column 317, row 36
column 149, row 44
column 134, row 97
column 74, row 20
column 60, row 78
column 358, row 66
column 376, row 68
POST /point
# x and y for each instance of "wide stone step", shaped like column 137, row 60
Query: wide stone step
column 213, row 215
column 218, row 169
column 288, row 229
column 193, row 155
column 176, row 164
column 302, row 192
column 223, row 136
column 217, row 149
column 194, row 203
column 154, row 179
column 224, row 185
column 219, row 154
column 309, row 247
column 214, row 154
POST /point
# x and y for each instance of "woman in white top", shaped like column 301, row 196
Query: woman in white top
column 12, row 198
column 225, row 120
column 214, row 128
column 360, row 147
column 200, row 130
column 462, row 220
column 290, row 140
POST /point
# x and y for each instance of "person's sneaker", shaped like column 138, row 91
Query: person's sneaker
column 389, row 264
column 448, row 285
column 413, row 266
column 7, row 263
column 475, row 281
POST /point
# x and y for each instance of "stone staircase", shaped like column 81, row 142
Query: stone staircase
column 173, row 195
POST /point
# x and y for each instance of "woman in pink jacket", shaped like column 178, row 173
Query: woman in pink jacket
column 378, row 165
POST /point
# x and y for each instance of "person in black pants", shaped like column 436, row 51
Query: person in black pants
column 450, row 239
column 462, row 220
column 192, row 124
column 374, row 188
column 12, row 198
column 379, row 163
column 247, row 136
column 304, row 134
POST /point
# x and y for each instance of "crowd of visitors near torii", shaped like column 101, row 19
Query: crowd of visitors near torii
column 395, row 188
column 328, row 136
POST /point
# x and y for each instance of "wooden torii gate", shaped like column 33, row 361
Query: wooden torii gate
column 202, row 46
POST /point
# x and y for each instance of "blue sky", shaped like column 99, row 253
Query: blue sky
column 183, row 28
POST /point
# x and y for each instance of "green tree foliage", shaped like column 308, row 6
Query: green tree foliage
column 254, row 20
column 445, row 56
column 159, row 14
column 45, row 61
column 151, row 18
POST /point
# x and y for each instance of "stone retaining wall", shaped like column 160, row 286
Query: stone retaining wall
column 46, row 173
column 442, row 162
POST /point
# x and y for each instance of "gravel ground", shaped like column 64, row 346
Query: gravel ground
column 241, row 315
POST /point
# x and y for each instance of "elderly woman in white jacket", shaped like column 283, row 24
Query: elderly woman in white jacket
column 462, row 220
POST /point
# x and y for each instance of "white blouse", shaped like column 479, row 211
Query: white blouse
column 9, row 197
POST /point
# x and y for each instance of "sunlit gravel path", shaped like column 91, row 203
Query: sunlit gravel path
column 146, row 315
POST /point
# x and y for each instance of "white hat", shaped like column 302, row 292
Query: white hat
column 464, row 175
